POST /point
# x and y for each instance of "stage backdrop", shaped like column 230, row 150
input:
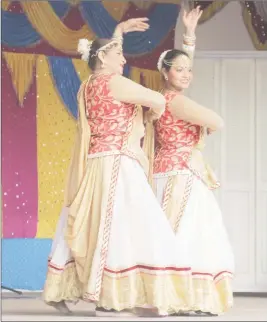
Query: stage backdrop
column 41, row 74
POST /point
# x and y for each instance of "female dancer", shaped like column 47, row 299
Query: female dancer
column 183, row 184
column 114, row 245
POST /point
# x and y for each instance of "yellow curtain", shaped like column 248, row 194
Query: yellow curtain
column 152, row 79
column 43, row 18
column 5, row 4
column 135, row 74
column 21, row 68
column 55, row 137
column 82, row 69
column 248, row 22
column 116, row 8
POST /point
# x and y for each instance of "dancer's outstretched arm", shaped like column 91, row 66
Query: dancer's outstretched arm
column 130, row 25
column 128, row 91
column 188, row 110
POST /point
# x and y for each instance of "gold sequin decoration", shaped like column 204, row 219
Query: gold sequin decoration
column 55, row 138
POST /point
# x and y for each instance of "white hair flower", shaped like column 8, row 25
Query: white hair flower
column 84, row 47
column 161, row 58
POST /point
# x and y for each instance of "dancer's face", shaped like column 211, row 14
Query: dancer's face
column 114, row 60
column 180, row 74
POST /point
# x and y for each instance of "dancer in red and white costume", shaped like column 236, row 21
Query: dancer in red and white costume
column 183, row 180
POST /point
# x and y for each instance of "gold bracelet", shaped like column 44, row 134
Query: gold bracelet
column 189, row 44
column 189, row 38
column 118, row 39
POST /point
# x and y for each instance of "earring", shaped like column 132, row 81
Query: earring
column 166, row 77
column 103, row 64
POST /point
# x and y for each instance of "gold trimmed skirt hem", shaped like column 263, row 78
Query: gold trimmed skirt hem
column 142, row 288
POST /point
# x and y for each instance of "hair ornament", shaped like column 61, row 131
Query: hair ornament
column 161, row 59
column 84, row 47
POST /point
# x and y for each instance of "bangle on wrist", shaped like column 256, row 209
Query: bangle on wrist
column 118, row 39
column 189, row 38
column 188, row 43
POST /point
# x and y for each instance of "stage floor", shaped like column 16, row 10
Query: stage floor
column 30, row 307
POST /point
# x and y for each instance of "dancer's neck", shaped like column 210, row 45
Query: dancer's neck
column 170, row 88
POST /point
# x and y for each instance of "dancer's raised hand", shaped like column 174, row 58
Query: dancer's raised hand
column 191, row 18
column 134, row 24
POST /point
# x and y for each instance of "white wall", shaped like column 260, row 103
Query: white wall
column 224, row 31
column 232, row 83
column 229, row 77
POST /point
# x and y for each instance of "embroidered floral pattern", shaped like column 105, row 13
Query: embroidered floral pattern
column 107, row 118
column 175, row 140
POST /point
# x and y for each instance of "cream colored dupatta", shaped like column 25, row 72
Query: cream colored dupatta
column 149, row 149
column 66, row 283
column 78, row 163
column 80, row 150
column 86, row 199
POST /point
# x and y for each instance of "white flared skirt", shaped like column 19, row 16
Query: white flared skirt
column 146, row 264
column 203, row 235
